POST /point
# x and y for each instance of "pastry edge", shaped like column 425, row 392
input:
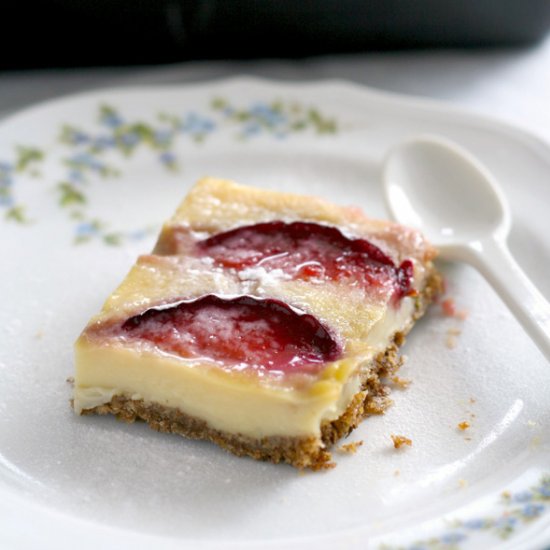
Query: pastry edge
column 299, row 451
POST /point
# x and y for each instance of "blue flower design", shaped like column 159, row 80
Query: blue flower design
column 87, row 229
column 168, row 159
column 129, row 139
column 523, row 496
column 76, row 176
column 475, row 524
column 5, row 167
column 138, row 234
column 267, row 114
column 86, row 160
column 6, row 177
column 194, row 124
column 111, row 119
column 533, row 510
column 6, row 200
column 104, row 142
column 453, row 537
column 25, row 163
column 162, row 138
column 506, row 521
column 77, row 137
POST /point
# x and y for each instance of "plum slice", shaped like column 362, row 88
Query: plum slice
column 239, row 332
column 310, row 251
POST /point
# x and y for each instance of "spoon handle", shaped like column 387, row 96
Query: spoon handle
column 495, row 262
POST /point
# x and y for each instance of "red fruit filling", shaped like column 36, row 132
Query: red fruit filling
column 264, row 334
column 306, row 250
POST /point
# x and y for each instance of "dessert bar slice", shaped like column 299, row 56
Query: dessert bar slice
column 262, row 321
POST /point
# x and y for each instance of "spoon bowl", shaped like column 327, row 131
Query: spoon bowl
column 439, row 188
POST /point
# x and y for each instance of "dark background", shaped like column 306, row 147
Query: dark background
column 75, row 33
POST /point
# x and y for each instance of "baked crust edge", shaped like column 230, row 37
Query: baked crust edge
column 301, row 452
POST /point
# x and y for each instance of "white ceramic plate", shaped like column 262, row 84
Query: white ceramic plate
column 85, row 182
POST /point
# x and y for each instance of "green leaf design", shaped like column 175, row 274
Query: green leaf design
column 113, row 239
column 106, row 111
column 16, row 214
column 27, row 156
column 218, row 103
column 321, row 124
column 82, row 239
column 70, row 195
column 90, row 153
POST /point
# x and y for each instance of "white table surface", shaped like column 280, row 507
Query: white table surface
column 511, row 84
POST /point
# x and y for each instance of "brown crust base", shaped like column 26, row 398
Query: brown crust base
column 301, row 452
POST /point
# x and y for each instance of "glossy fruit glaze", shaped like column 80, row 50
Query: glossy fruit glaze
column 309, row 251
column 242, row 332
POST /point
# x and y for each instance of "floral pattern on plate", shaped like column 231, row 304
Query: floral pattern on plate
column 84, row 162
column 513, row 511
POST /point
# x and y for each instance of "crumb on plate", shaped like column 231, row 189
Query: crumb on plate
column 448, row 306
column 400, row 440
column 452, row 337
column 350, row 448
column 401, row 383
column 451, row 341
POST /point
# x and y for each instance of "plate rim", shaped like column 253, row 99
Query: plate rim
column 448, row 109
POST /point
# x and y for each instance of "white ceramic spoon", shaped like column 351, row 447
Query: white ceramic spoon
column 434, row 185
